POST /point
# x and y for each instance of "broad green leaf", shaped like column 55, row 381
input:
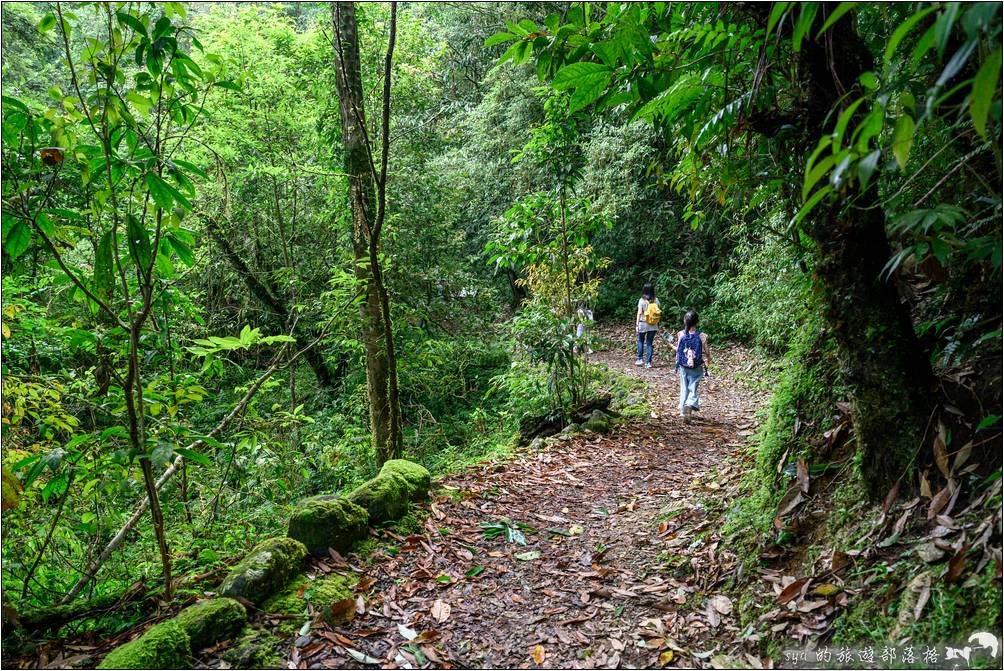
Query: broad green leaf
column 127, row 19
column 17, row 239
column 191, row 167
column 588, row 93
column 866, row 167
column 104, row 278
column 159, row 191
column 192, row 455
column 776, row 14
column 499, row 38
column 577, row 74
column 868, row 80
column 902, row 139
column 47, row 23
column 810, row 204
column 164, row 194
column 841, row 9
column 984, row 89
column 943, row 26
column 183, row 251
column 817, row 172
column 229, row 85
column 139, row 242
column 842, row 121
column 589, row 80
column 163, row 261
column 803, row 24
column 901, row 32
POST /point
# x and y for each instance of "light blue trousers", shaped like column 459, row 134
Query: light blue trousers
column 689, row 379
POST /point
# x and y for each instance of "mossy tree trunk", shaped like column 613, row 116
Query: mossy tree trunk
column 367, row 199
column 885, row 369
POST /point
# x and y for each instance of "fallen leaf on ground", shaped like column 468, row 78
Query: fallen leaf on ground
column 440, row 611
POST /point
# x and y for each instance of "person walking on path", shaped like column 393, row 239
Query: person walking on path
column 647, row 320
column 692, row 359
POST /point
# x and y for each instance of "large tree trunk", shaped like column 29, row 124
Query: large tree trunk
column 359, row 165
column 885, row 369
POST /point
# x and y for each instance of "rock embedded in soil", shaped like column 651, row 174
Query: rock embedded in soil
column 265, row 570
column 162, row 646
column 324, row 522
column 211, row 621
column 598, row 422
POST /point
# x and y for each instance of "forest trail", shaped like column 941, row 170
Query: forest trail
column 615, row 553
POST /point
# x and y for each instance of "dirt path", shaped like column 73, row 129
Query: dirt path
column 603, row 580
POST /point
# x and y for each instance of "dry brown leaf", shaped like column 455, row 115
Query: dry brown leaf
column 938, row 502
column 440, row 610
column 802, row 475
column 925, row 485
column 940, row 451
column 962, row 456
column 722, row 604
column 791, row 591
column 790, row 501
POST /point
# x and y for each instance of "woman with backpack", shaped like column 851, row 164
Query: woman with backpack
column 647, row 321
column 692, row 359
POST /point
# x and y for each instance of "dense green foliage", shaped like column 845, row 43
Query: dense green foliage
column 178, row 264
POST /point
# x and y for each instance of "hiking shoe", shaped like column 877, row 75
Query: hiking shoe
column 695, row 408
column 638, row 362
column 648, row 365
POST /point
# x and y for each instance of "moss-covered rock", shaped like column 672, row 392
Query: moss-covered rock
column 598, row 422
column 255, row 649
column 328, row 595
column 417, row 476
column 265, row 570
column 211, row 621
column 385, row 497
column 162, row 646
column 326, row 522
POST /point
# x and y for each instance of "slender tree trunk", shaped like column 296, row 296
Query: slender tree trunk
column 367, row 217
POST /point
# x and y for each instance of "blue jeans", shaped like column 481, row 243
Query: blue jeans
column 689, row 379
column 645, row 340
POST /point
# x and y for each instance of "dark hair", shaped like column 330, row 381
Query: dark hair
column 648, row 291
column 690, row 319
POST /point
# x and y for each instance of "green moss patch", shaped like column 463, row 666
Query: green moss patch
column 162, row 646
column 265, row 570
column 211, row 621
column 322, row 596
column 327, row 522
column 385, row 497
column 417, row 476
column 255, row 649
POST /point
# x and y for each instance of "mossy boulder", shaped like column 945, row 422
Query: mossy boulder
column 385, row 497
column 211, row 621
column 265, row 570
column 329, row 595
column 162, row 646
column 598, row 422
column 255, row 649
column 417, row 476
column 324, row 522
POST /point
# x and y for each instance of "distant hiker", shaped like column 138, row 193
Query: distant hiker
column 582, row 331
column 647, row 319
column 692, row 359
